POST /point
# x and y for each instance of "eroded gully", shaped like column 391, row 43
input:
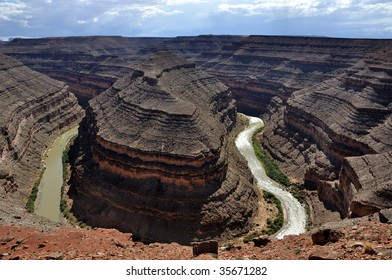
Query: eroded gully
column 295, row 216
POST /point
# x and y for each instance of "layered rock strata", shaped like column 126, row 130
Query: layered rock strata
column 263, row 71
column 34, row 111
column 258, row 69
column 153, row 157
column 336, row 137
column 89, row 65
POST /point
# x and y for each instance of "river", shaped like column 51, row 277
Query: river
column 48, row 204
column 295, row 216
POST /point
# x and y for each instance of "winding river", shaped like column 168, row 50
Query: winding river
column 52, row 180
column 48, row 204
column 295, row 216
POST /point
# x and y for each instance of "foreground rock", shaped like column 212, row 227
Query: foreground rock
column 35, row 109
column 361, row 241
column 386, row 216
column 153, row 157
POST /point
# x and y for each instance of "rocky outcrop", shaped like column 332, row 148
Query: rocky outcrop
column 386, row 216
column 153, row 157
column 366, row 184
column 34, row 110
column 325, row 235
column 336, row 137
column 205, row 247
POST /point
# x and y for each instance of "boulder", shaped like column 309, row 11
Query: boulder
column 261, row 241
column 205, row 247
column 324, row 235
column 386, row 216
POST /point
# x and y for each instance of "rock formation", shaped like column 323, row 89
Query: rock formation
column 34, row 110
column 336, row 137
column 153, row 157
column 89, row 65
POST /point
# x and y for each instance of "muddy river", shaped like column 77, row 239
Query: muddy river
column 48, row 204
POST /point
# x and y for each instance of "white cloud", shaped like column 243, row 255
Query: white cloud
column 182, row 2
column 11, row 9
column 294, row 7
column 191, row 17
column 140, row 11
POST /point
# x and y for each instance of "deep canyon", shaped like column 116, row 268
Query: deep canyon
column 327, row 104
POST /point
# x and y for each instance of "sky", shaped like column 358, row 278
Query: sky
column 169, row 18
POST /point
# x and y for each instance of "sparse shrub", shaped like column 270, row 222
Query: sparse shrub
column 30, row 205
column 271, row 169
column 368, row 249
column 251, row 236
column 275, row 225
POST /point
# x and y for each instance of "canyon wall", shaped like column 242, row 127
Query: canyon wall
column 335, row 137
column 324, row 100
column 89, row 65
column 261, row 71
column 35, row 109
column 153, row 157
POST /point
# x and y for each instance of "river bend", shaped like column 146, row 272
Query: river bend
column 295, row 216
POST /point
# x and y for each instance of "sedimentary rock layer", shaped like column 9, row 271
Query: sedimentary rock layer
column 332, row 134
column 258, row 69
column 366, row 184
column 154, row 157
column 89, row 65
column 34, row 110
column 263, row 71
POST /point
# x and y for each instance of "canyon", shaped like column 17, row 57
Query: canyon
column 326, row 103
column 35, row 109
column 153, row 157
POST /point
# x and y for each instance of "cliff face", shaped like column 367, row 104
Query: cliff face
column 263, row 71
column 153, row 157
column 34, row 110
column 336, row 137
column 89, row 65
column 366, row 184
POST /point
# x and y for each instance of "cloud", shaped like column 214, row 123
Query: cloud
column 293, row 8
column 183, row 2
column 10, row 10
column 343, row 18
